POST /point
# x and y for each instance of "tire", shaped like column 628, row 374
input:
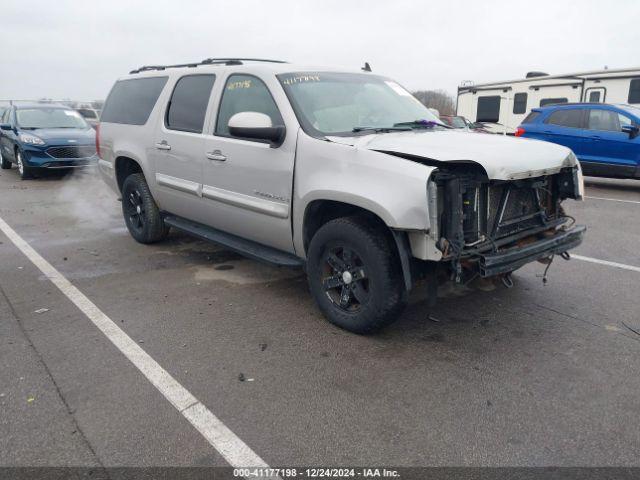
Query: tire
column 25, row 171
column 4, row 163
column 141, row 214
column 355, row 275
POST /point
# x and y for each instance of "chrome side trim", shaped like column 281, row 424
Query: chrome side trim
column 267, row 207
column 181, row 184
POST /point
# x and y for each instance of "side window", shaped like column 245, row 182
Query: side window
column 624, row 121
column 520, row 103
column 634, row 91
column 188, row 104
column 552, row 101
column 604, row 120
column 245, row 93
column 131, row 101
column 571, row 117
column 488, row 109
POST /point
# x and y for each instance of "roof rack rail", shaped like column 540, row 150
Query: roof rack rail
column 206, row 61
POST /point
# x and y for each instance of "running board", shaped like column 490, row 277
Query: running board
column 245, row 247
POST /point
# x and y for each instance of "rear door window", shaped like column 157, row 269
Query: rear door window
column 188, row 104
column 571, row 118
column 603, row 120
column 488, row 109
column 245, row 93
column 131, row 101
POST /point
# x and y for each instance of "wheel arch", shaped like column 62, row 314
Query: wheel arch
column 125, row 166
column 320, row 211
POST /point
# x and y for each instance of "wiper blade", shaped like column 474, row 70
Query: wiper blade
column 420, row 124
column 395, row 128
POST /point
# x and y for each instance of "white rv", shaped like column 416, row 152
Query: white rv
column 503, row 105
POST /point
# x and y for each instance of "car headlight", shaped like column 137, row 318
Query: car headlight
column 30, row 139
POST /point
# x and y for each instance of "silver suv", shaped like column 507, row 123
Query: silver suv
column 343, row 173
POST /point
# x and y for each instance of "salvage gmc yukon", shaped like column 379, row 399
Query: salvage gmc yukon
column 342, row 173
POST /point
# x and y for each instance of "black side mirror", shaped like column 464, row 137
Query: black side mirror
column 5, row 126
column 632, row 130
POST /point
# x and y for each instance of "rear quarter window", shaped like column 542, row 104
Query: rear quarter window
column 131, row 101
column 531, row 117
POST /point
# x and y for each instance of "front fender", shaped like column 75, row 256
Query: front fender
column 393, row 188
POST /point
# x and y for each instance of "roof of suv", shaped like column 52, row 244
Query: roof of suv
column 267, row 67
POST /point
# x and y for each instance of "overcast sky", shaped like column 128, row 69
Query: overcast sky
column 77, row 48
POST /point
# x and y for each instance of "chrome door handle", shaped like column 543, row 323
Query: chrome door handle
column 163, row 145
column 216, row 155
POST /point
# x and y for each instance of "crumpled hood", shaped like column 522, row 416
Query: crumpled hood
column 502, row 157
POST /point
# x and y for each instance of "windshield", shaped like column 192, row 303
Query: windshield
column 338, row 103
column 49, row 118
column 457, row 122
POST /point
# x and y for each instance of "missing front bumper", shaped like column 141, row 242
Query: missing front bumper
column 513, row 258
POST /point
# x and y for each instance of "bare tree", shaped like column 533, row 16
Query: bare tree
column 438, row 99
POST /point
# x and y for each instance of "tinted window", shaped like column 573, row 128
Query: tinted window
column 634, row 91
column 131, row 101
column 87, row 113
column 566, row 118
column 604, row 120
column 594, row 97
column 245, row 93
column 552, row 101
column 531, row 117
column 520, row 103
column 488, row 109
column 188, row 105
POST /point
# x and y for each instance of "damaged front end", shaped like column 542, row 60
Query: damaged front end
column 489, row 228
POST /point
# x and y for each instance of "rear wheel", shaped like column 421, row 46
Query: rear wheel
column 141, row 214
column 4, row 163
column 355, row 275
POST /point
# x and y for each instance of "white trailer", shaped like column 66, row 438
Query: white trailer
column 503, row 105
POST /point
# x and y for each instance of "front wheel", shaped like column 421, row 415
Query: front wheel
column 24, row 171
column 355, row 276
column 141, row 214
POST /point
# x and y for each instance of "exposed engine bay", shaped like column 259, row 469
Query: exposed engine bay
column 492, row 227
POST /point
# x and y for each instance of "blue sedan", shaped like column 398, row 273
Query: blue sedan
column 44, row 136
column 605, row 138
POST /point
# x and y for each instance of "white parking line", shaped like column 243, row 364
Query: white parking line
column 612, row 199
column 607, row 263
column 234, row 450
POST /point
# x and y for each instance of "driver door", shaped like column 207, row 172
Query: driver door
column 247, row 184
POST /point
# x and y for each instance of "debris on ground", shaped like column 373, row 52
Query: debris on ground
column 242, row 378
column 41, row 310
column 30, row 399
column 263, row 347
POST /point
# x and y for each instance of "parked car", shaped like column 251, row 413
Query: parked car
column 45, row 136
column 343, row 173
column 462, row 123
column 91, row 115
column 604, row 137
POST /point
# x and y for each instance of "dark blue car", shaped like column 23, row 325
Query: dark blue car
column 604, row 137
column 40, row 136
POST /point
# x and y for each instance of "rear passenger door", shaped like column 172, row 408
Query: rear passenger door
column 565, row 127
column 247, row 184
column 178, row 146
column 605, row 142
